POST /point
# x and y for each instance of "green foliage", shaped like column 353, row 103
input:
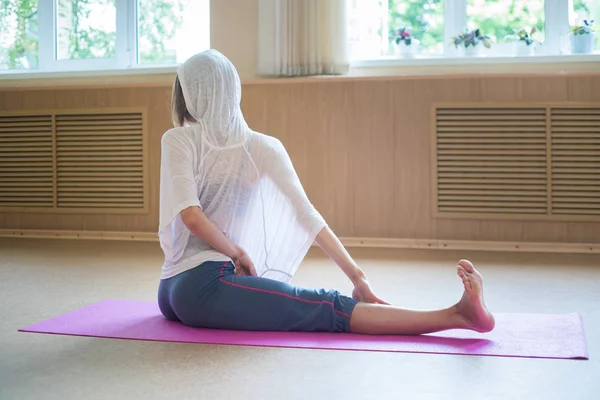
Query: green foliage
column 587, row 28
column 424, row 19
column 588, row 9
column 501, row 18
column 582, row 6
column 83, row 43
column 402, row 35
column 158, row 21
column 523, row 35
column 471, row 38
column 22, row 16
column 497, row 18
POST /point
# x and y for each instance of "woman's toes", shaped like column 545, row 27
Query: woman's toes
column 464, row 276
column 467, row 265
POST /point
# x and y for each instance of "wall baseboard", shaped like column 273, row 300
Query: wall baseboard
column 86, row 235
column 436, row 244
column 439, row 244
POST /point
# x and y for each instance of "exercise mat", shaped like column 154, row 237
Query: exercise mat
column 515, row 335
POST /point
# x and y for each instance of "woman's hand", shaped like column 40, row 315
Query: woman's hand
column 243, row 265
column 363, row 292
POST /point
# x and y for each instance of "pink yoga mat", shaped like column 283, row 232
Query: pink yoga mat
column 516, row 335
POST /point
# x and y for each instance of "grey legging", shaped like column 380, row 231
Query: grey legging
column 211, row 295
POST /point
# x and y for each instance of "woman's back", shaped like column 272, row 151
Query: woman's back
column 224, row 178
column 250, row 192
column 242, row 180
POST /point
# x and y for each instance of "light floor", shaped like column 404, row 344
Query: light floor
column 41, row 279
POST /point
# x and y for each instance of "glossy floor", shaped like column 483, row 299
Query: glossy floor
column 40, row 279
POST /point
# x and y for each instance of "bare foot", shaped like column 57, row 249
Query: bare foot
column 471, row 306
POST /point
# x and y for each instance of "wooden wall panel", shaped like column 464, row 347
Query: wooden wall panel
column 156, row 102
column 412, row 162
column 362, row 149
column 373, row 171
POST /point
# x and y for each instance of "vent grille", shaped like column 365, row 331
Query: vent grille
column 576, row 161
column 519, row 160
column 26, row 164
column 492, row 160
column 81, row 161
column 100, row 160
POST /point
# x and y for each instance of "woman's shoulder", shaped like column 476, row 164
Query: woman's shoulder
column 178, row 135
column 268, row 142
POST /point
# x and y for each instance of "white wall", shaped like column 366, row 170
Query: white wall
column 234, row 32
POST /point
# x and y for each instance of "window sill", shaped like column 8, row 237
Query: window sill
column 140, row 76
column 384, row 67
column 535, row 64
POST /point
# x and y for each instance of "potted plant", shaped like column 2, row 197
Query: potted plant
column 525, row 41
column 404, row 40
column 582, row 38
column 469, row 41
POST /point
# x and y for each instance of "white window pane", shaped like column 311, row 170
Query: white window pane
column 372, row 24
column 581, row 10
column 501, row 18
column 425, row 20
column 367, row 20
column 170, row 31
column 19, row 34
column 86, row 29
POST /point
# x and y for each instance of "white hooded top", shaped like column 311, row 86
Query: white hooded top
column 244, row 181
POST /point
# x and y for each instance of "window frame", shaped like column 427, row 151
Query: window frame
column 125, row 40
column 126, row 56
column 556, row 23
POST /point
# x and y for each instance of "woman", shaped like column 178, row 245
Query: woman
column 235, row 223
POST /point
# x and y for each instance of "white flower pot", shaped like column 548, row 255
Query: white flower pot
column 524, row 50
column 471, row 51
column 582, row 44
column 403, row 50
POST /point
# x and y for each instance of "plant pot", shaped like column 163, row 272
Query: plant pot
column 582, row 44
column 404, row 50
column 471, row 51
column 524, row 50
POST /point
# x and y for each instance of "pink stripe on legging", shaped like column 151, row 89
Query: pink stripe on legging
column 280, row 294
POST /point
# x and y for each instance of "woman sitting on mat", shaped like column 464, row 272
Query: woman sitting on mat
column 235, row 223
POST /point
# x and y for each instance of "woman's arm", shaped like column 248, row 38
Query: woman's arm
column 331, row 245
column 282, row 172
column 178, row 195
column 202, row 227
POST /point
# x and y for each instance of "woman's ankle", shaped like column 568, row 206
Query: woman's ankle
column 457, row 319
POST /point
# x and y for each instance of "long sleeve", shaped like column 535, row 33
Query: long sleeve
column 282, row 173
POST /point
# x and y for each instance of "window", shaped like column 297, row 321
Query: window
column 434, row 23
column 372, row 24
column 19, row 33
column 61, row 35
column 171, row 31
column 86, row 29
column 501, row 18
column 426, row 18
column 581, row 10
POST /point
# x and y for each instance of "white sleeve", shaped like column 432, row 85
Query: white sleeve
column 282, row 172
column 178, row 189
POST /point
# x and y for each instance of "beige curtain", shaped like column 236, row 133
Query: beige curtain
column 302, row 37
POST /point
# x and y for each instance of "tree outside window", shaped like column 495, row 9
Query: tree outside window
column 167, row 31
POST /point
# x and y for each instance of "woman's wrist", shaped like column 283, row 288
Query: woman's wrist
column 238, row 253
column 357, row 275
